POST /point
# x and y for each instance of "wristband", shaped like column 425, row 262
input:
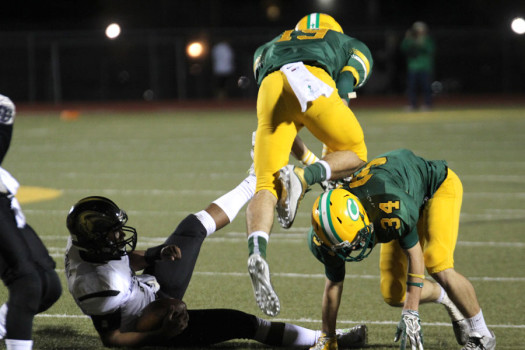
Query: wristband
column 415, row 284
column 152, row 254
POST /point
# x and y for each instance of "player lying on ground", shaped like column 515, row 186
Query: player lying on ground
column 101, row 264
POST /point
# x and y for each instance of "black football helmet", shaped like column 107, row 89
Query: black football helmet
column 91, row 220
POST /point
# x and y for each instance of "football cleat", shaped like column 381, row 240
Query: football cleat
column 478, row 342
column 293, row 188
column 461, row 331
column 325, row 343
column 265, row 296
column 355, row 337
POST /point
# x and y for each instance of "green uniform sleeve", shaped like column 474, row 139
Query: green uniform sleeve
column 334, row 267
column 360, row 63
column 345, row 85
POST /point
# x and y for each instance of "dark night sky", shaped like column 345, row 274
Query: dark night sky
column 143, row 14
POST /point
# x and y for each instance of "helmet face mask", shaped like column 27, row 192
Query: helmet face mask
column 342, row 226
column 318, row 21
column 97, row 228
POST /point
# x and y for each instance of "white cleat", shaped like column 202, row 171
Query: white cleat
column 293, row 188
column 478, row 342
column 355, row 337
column 461, row 331
column 265, row 296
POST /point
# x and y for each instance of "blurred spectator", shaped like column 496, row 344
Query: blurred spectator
column 223, row 68
column 419, row 50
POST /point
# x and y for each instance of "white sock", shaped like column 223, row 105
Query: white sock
column 452, row 309
column 292, row 335
column 327, row 169
column 477, row 324
column 234, row 200
column 207, row 221
column 299, row 336
column 3, row 315
column 17, row 344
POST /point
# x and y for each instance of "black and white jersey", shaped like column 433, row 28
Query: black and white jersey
column 105, row 288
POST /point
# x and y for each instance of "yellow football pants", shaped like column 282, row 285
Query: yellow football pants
column 280, row 119
column 438, row 232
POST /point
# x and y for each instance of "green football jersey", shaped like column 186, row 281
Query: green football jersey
column 347, row 60
column 393, row 188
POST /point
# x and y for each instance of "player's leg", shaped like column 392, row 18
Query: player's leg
column 21, row 279
column 277, row 107
column 224, row 209
column 442, row 213
column 45, row 265
column 212, row 326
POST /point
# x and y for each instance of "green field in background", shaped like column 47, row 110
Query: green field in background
column 161, row 166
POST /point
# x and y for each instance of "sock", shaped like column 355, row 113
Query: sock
column 18, row 344
column 477, row 324
column 452, row 309
column 206, row 221
column 285, row 334
column 257, row 242
column 317, row 172
column 234, row 200
column 3, row 315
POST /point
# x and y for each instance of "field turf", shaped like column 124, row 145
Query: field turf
column 161, row 165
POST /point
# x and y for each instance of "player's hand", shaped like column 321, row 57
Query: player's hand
column 409, row 327
column 170, row 253
column 175, row 321
column 325, row 343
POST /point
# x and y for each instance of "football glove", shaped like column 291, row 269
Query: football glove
column 409, row 327
column 325, row 343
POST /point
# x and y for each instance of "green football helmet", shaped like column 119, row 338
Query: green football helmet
column 342, row 226
column 318, row 21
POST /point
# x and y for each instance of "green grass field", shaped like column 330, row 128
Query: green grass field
column 160, row 166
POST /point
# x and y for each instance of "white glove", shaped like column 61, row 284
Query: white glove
column 409, row 326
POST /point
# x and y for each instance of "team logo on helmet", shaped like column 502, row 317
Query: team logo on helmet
column 353, row 209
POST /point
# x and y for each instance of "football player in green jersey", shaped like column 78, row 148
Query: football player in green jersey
column 411, row 206
column 306, row 76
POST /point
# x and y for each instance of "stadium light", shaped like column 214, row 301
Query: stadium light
column 518, row 25
column 113, row 31
column 195, row 49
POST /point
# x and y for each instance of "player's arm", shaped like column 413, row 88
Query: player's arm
column 140, row 259
column 331, row 301
column 416, row 273
column 409, row 328
column 356, row 72
column 301, row 152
